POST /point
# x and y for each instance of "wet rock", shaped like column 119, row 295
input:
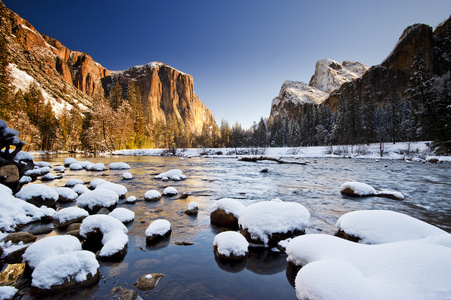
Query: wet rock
column 183, row 243
column 192, row 209
column 342, row 234
column 157, row 231
column 152, row 195
column 230, row 246
column 149, row 281
column 222, row 218
column 357, row 189
column 15, row 256
column 75, row 233
column 122, row 293
column 73, row 226
column 41, row 230
column 17, row 237
column 226, row 212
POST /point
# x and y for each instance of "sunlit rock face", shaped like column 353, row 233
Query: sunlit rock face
column 71, row 78
column 166, row 91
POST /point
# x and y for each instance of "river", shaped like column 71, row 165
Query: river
column 191, row 271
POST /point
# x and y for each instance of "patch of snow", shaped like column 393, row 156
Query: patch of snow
column 80, row 189
column 152, row 195
column 119, row 189
column 75, row 166
column 262, row 219
column 7, row 292
column 73, row 182
column 385, row 226
column 192, row 205
column 229, row 205
column 48, row 247
column 66, row 193
column 231, row 243
column 119, row 166
column 94, row 183
column 114, row 232
column 122, row 214
column 75, row 265
column 359, row 188
column 174, row 174
column 131, row 199
column 158, row 227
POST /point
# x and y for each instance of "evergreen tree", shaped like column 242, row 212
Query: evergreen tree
column 225, row 133
column 115, row 97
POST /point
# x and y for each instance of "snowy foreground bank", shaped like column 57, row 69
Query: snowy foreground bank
column 408, row 151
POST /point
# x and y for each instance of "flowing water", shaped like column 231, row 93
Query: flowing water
column 191, row 272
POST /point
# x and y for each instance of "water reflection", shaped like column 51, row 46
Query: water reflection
column 194, row 269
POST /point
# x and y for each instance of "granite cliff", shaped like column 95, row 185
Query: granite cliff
column 69, row 79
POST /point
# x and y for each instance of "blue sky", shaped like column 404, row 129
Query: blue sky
column 239, row 52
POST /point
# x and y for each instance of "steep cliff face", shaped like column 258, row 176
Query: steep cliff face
column 166, row 91
column 70, row 78
column 329, row 75
column 390, row 79
column 67, row 78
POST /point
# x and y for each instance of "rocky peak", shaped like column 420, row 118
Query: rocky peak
column 166, row 91
column 330, row 75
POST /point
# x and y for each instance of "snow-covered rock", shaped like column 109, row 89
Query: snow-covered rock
column 38, row 194
column 76, row 166
column 66, row 194
column 66, row 216
column 230, row 245
column 330, row 74
column 170, row 191
column 122, row 214
column 49, row 247
column 148, row 281
column 157, row 231
column 226, row 212
column 69, row 160
column 113, row 234
column 357, row 189
column 383, row 226
column 76, row 269
column 390, row 194
column 49, row 177
column 80, row 189
column 192, row 209
column 59, row 169
column 131, row 199
column 25, row 179
column 334, row 268
column 119, row 166
column 37, row 172
column 7, row 292
column 72, row 182
column 269, row 222
column 119, row 189
column 93, row 201
column 15, row 211
column 94, row 183
column 41, row 164
column 127, row 176
column 174, row 174
column 152, row 195
column 96, row 167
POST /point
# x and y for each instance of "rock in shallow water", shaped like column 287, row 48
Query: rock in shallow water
column 148, row 281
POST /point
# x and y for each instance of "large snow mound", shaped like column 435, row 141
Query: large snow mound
column 334, row 268
column 231, row 243
column 119, row 166
column 75, row 265
column 385, row 226
column 70, row 213
column 49, row 247
column 265, row 218
column 114, row 232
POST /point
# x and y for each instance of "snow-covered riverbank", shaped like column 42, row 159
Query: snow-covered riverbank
column 405, row 151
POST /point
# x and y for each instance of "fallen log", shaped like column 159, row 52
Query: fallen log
column 278, row 160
